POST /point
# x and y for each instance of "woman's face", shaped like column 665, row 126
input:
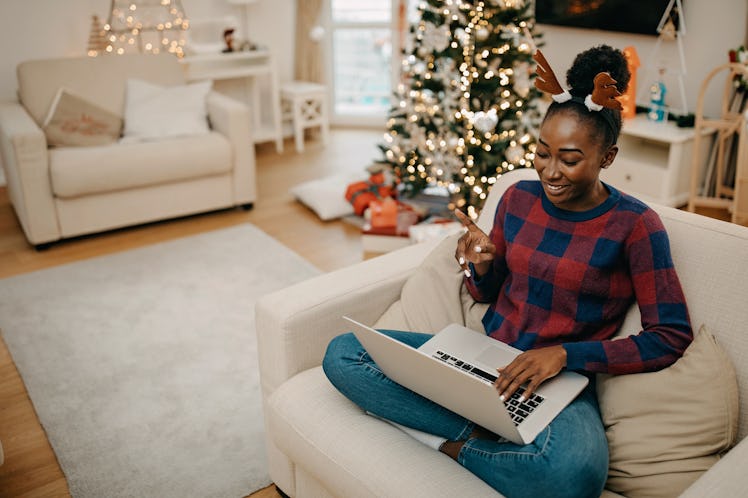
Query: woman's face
column 568, row 160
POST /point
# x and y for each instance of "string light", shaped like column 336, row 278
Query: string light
column 163, row 24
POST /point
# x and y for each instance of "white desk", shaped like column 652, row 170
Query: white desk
column 248, row 65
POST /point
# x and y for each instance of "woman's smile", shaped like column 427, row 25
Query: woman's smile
column 555, row 188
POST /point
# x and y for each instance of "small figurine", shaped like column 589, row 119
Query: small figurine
column 657, row 110
column 228, row 37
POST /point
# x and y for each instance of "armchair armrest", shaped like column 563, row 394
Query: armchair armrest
column 294, row 325
column 23, row 147
column 726, row 478
column 232, row 119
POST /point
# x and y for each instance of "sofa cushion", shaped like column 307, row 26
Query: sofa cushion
column 323, row 432
column 433, row 296
column 667, row 428
column 87, row 170
column 155, row 112
column 74, row 121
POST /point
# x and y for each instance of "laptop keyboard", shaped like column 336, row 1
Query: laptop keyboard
column 518, row 410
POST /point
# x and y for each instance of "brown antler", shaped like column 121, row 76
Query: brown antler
column 605, row 92
column 546, row 80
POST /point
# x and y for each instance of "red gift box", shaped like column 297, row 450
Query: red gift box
column 361, row 194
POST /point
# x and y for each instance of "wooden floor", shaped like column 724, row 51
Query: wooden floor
column 31, row 468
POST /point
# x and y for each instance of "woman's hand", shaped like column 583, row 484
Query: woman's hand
column 533, row 367
column 474, row 247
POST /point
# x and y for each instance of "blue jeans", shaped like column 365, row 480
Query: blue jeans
column 568, row 458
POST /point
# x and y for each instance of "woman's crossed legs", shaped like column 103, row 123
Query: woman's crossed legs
column 568, row 458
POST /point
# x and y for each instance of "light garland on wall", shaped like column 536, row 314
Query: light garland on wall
column 145, row 26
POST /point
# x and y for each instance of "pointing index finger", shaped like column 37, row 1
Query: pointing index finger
column 465, row 220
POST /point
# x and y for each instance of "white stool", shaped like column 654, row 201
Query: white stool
column 305, row 104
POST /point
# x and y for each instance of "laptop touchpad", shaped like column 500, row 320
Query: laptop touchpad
column 495, row 357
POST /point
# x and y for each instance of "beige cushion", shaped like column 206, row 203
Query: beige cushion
column 667, row 428
column 433, row 297
column 88, row 170
column 74, row 121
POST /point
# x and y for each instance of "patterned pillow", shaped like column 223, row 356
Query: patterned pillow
column 74, row 121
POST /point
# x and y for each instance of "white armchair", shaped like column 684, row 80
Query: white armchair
column 62, row 192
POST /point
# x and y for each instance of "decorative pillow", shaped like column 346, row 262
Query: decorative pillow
column 153, row 112
column 434, row 296
column 74, row 121
column 326, row 196
column 666, row 428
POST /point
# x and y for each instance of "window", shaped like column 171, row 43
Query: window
column 362, row 69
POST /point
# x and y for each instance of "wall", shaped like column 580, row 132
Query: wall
column 33, row 29
column 712, row 28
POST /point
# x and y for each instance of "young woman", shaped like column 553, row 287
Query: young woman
column 566, row 257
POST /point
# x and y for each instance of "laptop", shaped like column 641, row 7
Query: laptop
column 457, row 368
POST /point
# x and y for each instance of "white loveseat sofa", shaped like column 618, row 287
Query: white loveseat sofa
column 321, row 445
column 62, row 192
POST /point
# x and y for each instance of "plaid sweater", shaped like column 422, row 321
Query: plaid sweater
column 563, row 277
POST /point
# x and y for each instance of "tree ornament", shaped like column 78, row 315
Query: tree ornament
column 511, row 33
column 481, row 34
column 514, row 153
column 485, row 122
column 462, row 37
column 436, row 38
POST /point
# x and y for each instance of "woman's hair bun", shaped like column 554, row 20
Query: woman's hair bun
column 589, row 63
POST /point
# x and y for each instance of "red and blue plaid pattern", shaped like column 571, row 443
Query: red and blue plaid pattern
column 563, row 277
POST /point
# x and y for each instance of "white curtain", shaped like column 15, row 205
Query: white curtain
column 308, row 51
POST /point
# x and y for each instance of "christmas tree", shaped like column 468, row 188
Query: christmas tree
column 465, row 110
column 96, row 38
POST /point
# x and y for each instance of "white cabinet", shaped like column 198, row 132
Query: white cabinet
column 250, row 66
column 654, row 161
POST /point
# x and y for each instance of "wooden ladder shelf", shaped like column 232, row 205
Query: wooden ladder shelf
column 730, row 126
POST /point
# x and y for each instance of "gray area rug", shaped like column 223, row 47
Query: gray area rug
column 142, row 365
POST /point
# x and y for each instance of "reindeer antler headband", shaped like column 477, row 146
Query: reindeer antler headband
column 603, row 94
